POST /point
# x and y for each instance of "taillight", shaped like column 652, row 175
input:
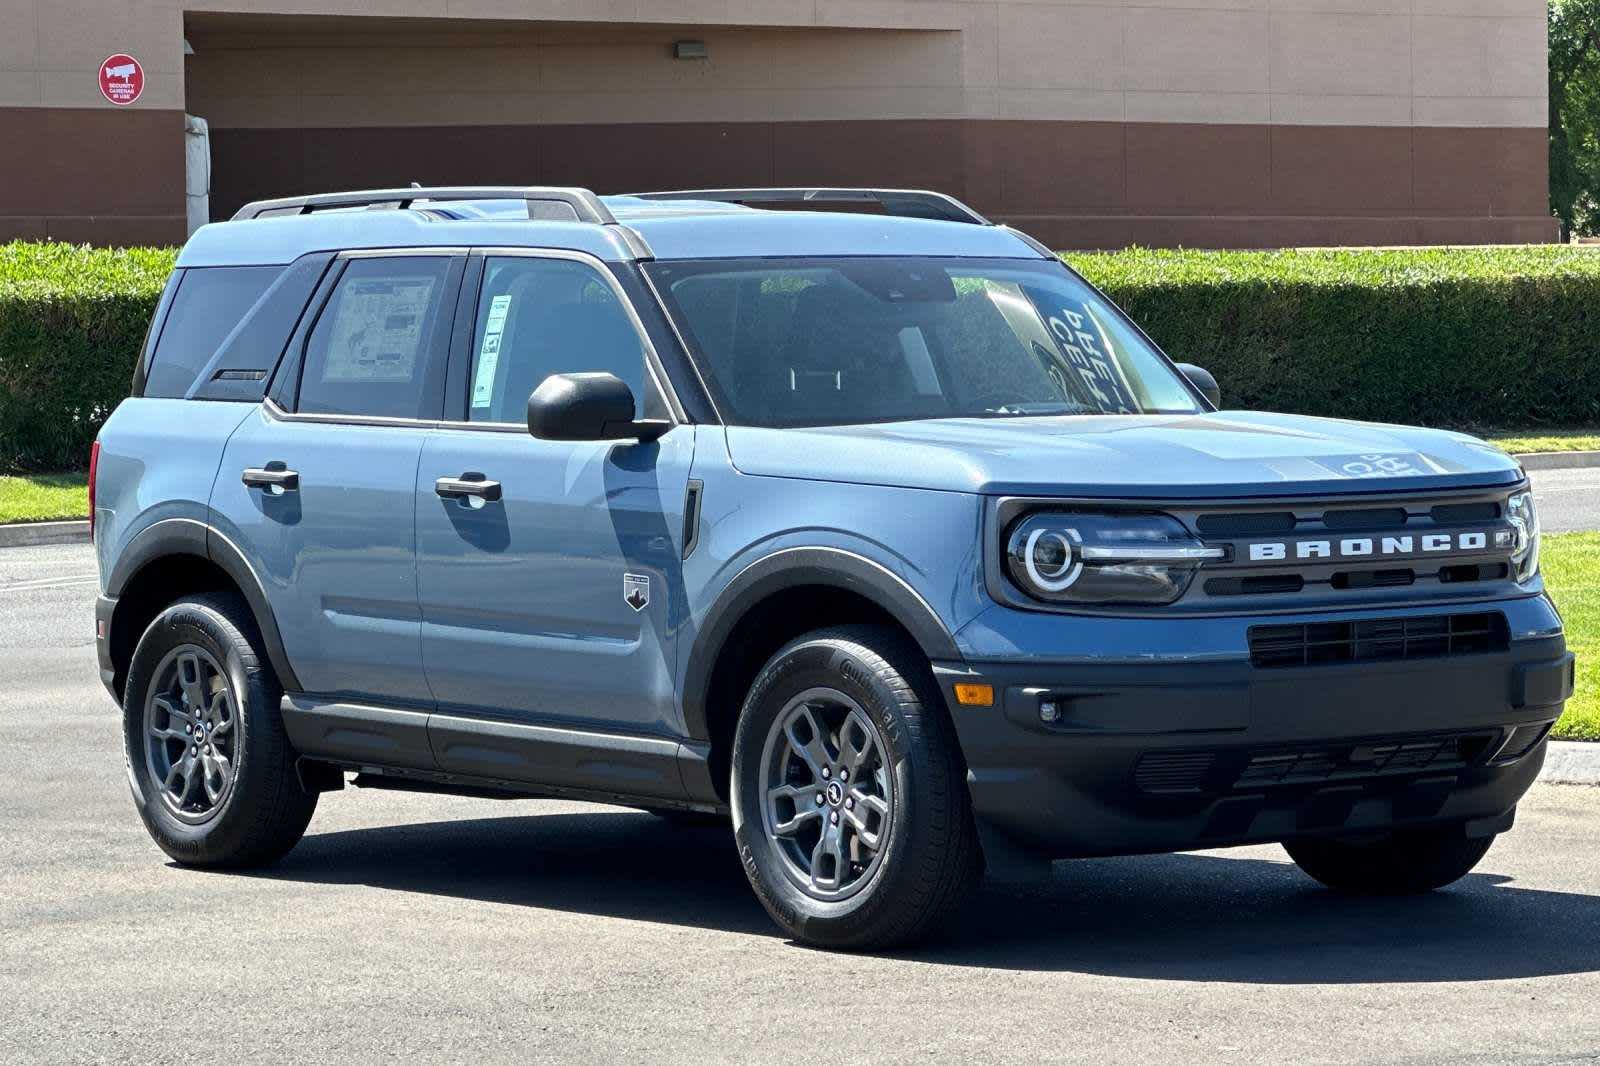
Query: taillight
column 94, row 463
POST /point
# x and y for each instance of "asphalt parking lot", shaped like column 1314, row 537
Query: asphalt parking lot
column 416, row 928
column 1568, row 500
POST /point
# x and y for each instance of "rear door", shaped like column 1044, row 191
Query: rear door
column 556, row 596
column 319, row 483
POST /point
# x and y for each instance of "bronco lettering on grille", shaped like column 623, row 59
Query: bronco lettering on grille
column 1385, row 546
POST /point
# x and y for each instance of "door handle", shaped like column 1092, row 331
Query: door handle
column 476, row 485
column 273, row 478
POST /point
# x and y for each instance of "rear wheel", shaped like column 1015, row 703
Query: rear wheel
column 849, row 796
column 1401, row 862
column 211, row 768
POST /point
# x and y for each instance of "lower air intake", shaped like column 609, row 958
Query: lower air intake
column 1378, row 639
column 1166, row 773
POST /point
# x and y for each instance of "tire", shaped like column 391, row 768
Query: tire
column 1402, row 862
column 204, row 650
column 909, row 794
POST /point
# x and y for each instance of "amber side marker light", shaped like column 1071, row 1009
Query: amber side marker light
column 969, row 695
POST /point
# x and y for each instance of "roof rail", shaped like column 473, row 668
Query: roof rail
column 544, row 204
column 906, row 203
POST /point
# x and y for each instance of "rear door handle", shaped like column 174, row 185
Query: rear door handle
column 273, row 478
column 455, row 488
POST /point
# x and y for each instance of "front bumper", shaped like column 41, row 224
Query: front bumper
column 1168, row 754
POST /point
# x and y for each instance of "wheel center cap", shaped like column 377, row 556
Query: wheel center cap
column 835, row 793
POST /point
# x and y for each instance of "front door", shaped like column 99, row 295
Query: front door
column 549, row 572
column 320, row 491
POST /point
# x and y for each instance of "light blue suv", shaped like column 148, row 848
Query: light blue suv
column 883, row 533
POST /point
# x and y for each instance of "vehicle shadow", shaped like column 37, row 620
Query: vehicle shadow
column 1171, row 917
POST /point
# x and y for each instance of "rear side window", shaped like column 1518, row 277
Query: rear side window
column 377, row 348
column 209, row 303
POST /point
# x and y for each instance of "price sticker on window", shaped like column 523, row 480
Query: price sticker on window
column 489, row 351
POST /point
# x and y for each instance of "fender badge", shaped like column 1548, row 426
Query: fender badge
column 636, row 591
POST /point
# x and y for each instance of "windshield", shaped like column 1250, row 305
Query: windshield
column 810, row 342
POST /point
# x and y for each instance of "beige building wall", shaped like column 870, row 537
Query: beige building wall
column 1303, row 62
column 1097, row 123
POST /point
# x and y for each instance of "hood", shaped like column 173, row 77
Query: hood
column 1224, row 454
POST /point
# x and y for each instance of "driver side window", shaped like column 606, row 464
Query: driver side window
column 538, row 317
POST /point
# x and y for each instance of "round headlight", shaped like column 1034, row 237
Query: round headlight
column 1100, row 558
column 1049, row 557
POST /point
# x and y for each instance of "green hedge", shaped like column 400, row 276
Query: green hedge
column 71, row 320
column 1505, row 337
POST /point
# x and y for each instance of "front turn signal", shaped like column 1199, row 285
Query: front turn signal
column 973, row 695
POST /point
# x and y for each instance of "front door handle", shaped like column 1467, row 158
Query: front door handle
column 273, row 477
column 476, row 485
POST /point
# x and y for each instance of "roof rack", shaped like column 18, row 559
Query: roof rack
column 544, row 204
column 905, row 203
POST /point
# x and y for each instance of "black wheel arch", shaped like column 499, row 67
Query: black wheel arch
column 790, row 569
column 140, row 583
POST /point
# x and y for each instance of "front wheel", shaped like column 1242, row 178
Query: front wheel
column 1401, row 862
column 849, row 795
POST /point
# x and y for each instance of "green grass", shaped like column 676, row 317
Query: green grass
column 1548, row 440
column 43, row 497
column 1571, row 563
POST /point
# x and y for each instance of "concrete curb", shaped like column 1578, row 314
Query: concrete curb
column 1571, row 762
column 1558, row 460
column 27, row 534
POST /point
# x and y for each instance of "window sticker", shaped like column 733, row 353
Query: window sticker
column 377, row 330
column 494, row 328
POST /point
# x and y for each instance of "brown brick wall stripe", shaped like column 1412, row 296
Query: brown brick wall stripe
column 91, row 174
column 117, row 176
column 1073, row 184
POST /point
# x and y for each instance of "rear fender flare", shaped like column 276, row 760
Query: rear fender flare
column 189, row 536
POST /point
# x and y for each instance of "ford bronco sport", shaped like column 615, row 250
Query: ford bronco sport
column 883, row 535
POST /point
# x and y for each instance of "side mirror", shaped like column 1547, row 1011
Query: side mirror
column 1201, row 379
column 588, row 407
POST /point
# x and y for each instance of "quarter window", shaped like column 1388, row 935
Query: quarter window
column 538, row 317
column 209, row 303
column 375, row 350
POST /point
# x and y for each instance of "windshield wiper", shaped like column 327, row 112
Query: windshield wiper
column 1051, row 407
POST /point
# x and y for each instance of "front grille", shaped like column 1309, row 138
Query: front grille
column 1446, row 514
column 1245, row 525
column 1373, row 579
column 1255, row 585
column 1378, row 639
column 1370, row 518
column 1438, row 751
column 1303, row 554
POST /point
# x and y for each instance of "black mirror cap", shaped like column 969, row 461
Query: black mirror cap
column 1201, row 379
column 591, row 406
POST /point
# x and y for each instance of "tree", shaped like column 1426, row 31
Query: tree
column 1575, row 115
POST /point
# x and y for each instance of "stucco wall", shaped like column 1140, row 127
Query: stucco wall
column 1160, row 121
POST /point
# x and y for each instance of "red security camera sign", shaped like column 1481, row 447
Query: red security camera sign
column 121, row 79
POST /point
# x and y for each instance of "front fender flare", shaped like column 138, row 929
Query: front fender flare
column 791, row 568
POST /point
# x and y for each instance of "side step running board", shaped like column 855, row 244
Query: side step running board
column 498, row 755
